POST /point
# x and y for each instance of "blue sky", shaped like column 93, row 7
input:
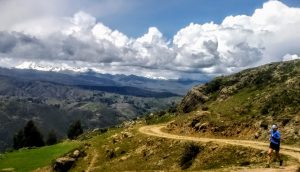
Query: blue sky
column 171, row 15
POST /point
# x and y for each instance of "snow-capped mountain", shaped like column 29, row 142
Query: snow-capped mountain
column 48, row 66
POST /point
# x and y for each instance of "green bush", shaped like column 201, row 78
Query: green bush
column 52, row 139
column 29, row 137
column 75, row 130
column 213, row 86
column 190, row 152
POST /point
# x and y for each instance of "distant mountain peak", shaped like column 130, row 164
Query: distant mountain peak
column 48, row 66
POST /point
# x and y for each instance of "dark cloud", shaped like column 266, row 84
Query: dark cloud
column 7, row 42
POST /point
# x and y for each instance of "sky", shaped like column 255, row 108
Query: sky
column 152, row 38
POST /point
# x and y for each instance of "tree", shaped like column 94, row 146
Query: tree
column 19, row 140
column 52, row 139
column 32, row 135
column 28, row 137
column 75, row 130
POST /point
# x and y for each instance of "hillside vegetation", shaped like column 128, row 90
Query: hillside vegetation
column 247, row 103
column 240, row 106
column 26, row 160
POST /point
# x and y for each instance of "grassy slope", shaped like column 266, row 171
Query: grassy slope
column 141, row 152
column 246, row 103
column 29, row 159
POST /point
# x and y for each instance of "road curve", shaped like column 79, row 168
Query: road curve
column 156, row 130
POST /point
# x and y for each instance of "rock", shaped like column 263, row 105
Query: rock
column 197, row 126
column 103, row 130
column 256, row 135
column 242, row 153
column 214, row 147
column 115, row 138
column 124, row 158
column 7, row 170
column 193, row 123
column 141, row 149
column 203, row 126
column 226, row 91
column 127, row 135
column 96, row 130
column 63, row 164
column 117, row 148
column 166, row 156
column 193, row 98
column 87, row 144
column 151, row 152
column 76, row 154
column 262, row 153
column 264, row 125
column 160, row 162
column 245, row 163
column 111, row 154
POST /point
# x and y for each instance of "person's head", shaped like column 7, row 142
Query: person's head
column 274, row 127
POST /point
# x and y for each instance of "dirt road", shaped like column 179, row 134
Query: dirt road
column 155, row 130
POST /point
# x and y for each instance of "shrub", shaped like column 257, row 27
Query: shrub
column 18, row 140
column 28, row 137
column 190, row 152
column 75, row 130
column 213, row 86
column 32, row 136
column 52, row 139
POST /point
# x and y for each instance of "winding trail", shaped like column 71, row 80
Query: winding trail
column 93, row 161
column 156, row 130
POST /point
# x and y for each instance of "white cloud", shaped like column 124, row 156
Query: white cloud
column 288, row 57
column 269, row 34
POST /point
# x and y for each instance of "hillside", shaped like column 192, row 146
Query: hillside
column 91, row 78
column 54, row 100
column 247, row 103
column 218, row 126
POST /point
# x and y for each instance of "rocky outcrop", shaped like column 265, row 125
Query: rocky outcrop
column 65, row 163
column 194, row 98
column 275, row 100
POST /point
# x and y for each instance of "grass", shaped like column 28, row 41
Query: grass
column 142, row 152
column 29, row 159
column 156, row 119
column 238, row 105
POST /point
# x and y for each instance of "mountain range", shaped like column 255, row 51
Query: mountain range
column 55, row 99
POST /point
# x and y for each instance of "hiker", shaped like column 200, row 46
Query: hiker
column 274, row 145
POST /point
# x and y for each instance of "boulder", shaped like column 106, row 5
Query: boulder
column 124, row 158
column 256, row 135
column 193, row 123
column 203, row 126
column 214, row 147
column 197, row 126
column 76, row 154
column 127, row 134
column 7, row 170
column 193, row 98
column 262, row 153
column 63, row 164
column 116, row 149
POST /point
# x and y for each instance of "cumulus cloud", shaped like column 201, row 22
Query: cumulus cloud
column 269, row 34
column 288, row 57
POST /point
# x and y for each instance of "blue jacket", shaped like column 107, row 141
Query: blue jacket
column 275, row 137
